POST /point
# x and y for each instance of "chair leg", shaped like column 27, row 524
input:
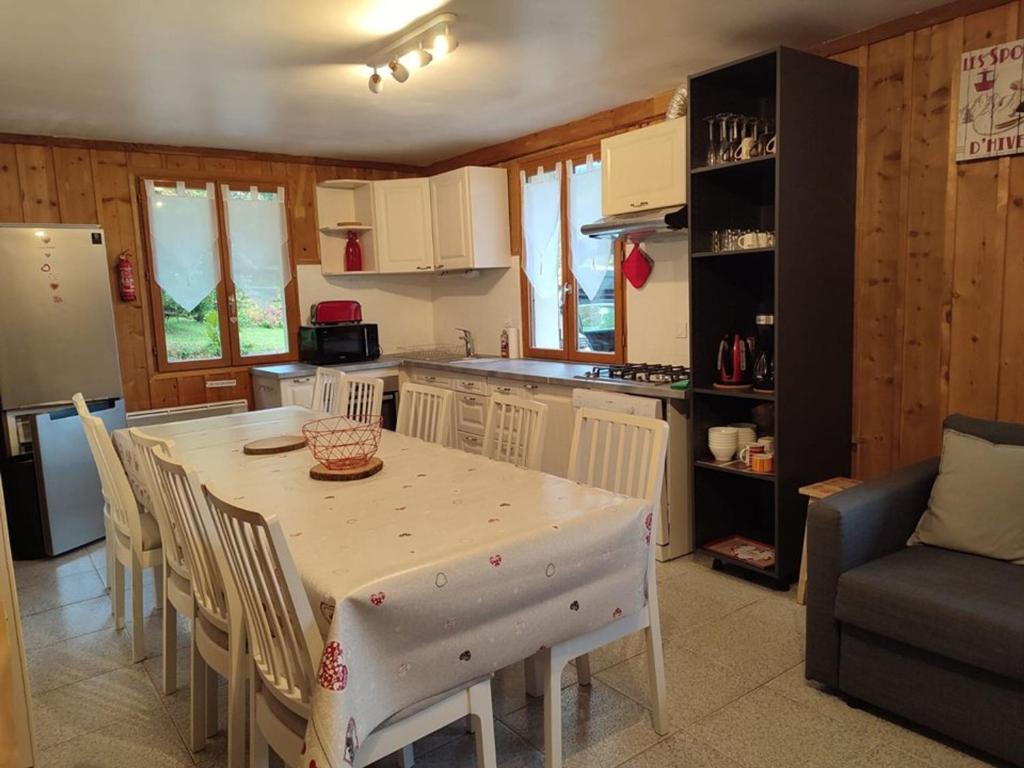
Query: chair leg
column 481, row 711
column 534, row 670
column 212, row 691
column 583, row 669
column 159, row 584
column 170, row 644
column 552, row 709
column 108, row 548
column 656, row 666
column 138, row 644
column 197, row 698
column 237, row 712
column 259, row 750
column 118, row 594
column 407, row 757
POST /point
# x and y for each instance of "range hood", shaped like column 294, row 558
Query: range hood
column 643, row 226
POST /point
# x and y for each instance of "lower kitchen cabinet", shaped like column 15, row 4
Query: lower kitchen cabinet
column 169, row 390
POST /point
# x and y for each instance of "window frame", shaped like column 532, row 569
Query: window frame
column 231, row 353
column 570, row 330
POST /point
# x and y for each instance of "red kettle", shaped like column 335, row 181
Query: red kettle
column 733, row 360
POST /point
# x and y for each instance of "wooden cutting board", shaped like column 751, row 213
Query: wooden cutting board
column 372, row 467
column 278, row 444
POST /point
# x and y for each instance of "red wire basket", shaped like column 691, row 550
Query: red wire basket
column 339, row 442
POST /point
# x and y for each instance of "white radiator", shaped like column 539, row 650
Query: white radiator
column 185, row 413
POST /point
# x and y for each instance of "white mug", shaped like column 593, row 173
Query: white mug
column 746, row 145
column 748, row 240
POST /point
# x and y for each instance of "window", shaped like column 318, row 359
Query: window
column 220, row 275
column 573, row 288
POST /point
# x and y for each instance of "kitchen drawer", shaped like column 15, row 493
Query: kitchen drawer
column 471, row 413
column 469, row 442
column 431, row 379
column 508, row 387
column 474, row 384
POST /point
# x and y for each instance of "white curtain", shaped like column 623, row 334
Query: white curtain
column 258, row 237
column 184, row 231
column 542, row 225
column 592, row 259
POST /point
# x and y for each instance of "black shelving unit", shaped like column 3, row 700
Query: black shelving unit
column 805, row 193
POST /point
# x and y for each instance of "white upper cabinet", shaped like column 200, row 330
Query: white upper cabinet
column 643, row 169
column 402, row 229
column 470, row 218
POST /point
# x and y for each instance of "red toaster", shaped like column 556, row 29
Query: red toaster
column 335, row 312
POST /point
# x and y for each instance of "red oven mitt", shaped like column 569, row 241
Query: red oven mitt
column 637, row 267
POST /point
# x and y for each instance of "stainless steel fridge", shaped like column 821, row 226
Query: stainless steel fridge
column 56, row 338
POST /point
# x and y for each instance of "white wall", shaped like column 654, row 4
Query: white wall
column 658, row 315
column 420, row 311
column 401, row 305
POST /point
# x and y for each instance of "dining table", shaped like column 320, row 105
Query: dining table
column 440, row 569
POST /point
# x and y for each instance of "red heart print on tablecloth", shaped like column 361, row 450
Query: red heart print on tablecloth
column 333, row 674
column 495, row 560
column 377, row 598
column 649, row 520
column 617, row 613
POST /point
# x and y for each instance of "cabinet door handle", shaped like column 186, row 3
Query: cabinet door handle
column 530, row 386
column 504, row 390
column 641, row 204
column 424, row 267
column 472, row 440
column 469, row 399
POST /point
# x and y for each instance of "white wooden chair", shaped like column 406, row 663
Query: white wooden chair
column 177, row 578
column 425, row 412
column 218, row 632
column 286, row 646
column 361, row 397
column 83, row 410
column 134, row 537
column 624, row 454
column 515, row 431
column 327, row 390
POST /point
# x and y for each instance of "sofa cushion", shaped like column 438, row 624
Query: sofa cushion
column 977, row 502
column 961, row 606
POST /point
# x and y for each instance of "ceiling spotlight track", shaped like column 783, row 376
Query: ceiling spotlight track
column 414, row 49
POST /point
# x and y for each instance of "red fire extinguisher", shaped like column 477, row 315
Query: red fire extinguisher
column 125, row 277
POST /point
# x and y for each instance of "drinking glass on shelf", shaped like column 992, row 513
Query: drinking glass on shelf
column 724, row 145
column 711, row 158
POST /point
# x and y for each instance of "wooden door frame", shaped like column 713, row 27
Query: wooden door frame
column 569, row 320
column 230, row 344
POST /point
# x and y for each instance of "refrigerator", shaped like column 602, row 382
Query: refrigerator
column 56, row 338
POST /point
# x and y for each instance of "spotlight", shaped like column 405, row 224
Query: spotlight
column 416, row 59
column 445, row 43
column 398, row 70
column 376, row 82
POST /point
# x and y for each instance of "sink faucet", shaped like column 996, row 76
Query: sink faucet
column 467, row 339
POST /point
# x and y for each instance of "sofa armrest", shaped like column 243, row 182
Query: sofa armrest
column 849, row 529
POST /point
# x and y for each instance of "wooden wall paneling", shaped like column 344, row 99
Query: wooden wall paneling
column 114, row 204
column 304, row 240
column 878, row 270
column 254, row 168
column 928, row 283
column 192, row 388
column 143, row 162
column 980, row 241
column 226, row 166
column 10, row 185
column 163, row 392
column 39, row 201
column 181, row 162
column 75, row 190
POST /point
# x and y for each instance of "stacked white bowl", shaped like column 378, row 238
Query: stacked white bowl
column 746, row 434
column 723, row 442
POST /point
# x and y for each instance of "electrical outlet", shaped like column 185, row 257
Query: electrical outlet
column 682, row 330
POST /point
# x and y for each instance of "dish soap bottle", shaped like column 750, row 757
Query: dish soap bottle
column 353, row 253
column 504, row 342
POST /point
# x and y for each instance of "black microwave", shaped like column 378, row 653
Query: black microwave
column 343, row 343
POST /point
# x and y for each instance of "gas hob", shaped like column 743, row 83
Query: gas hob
column 637, row 373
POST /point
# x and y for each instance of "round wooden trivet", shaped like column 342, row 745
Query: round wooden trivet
column 278, row 444
column 370, row 468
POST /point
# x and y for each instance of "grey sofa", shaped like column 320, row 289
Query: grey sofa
column 929, row 634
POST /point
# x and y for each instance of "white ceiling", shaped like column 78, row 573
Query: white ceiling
column 287, row 76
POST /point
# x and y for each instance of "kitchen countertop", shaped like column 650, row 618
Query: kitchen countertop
column 536, row 371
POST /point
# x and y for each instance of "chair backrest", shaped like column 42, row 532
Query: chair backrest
column 361, row 397
column 425, row 412
column 121, row 504
column 327, row 391
column 515, row 431
column 183, row 496
column 171, row 536
column 283, row 635
column 619, row 452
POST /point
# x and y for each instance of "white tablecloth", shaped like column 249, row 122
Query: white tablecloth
column 440, row 569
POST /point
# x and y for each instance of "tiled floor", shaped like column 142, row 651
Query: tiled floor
column 735, row 679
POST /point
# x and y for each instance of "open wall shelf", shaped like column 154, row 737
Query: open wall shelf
column 805, row 194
